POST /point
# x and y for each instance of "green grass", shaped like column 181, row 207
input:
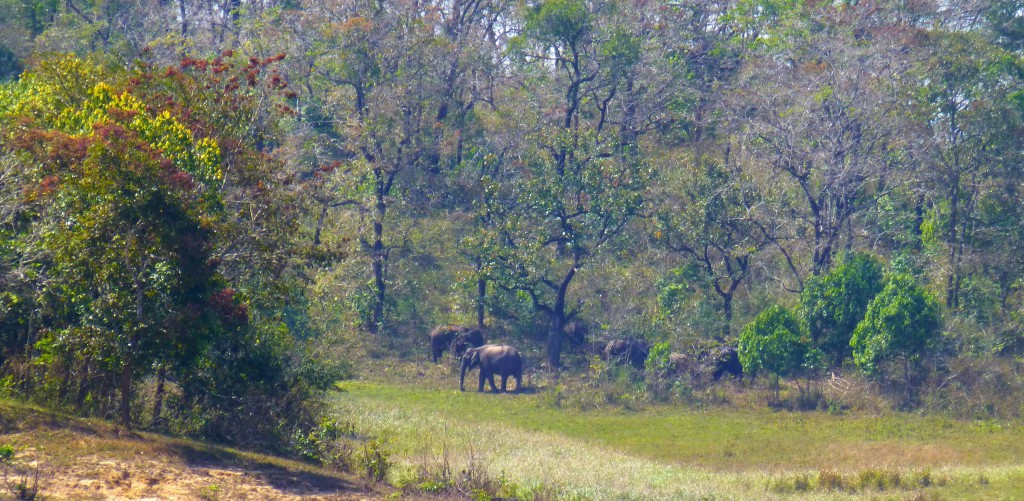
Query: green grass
column 669, row 452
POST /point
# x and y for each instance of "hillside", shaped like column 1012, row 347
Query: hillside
column 92, row 459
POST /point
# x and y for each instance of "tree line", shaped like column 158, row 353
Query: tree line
column 668, row 169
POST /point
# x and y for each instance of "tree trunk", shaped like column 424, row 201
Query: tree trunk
column 558, row 317
column 919, row 223
column 126, row 390
column 379, row 257
column 161, row 377
column 954, row 205
column 727, row 310
column 555, row 337
column 481, row 296
column 184, row 18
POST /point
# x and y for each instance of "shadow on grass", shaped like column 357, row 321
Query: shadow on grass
column 294, row 480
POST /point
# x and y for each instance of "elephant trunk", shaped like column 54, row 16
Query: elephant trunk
column 462, row 377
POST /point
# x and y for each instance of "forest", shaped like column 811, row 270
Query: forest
column 211, row 211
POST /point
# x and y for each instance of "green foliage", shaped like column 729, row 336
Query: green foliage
column 157, row 236
column 901, row 323
column 562, row 23
column 375, row 460
column 834, row 304
column 774, row 342
column 6, row 453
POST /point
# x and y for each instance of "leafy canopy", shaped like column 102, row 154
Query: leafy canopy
column 834, row 304
column 773, row 342
column 901, row 322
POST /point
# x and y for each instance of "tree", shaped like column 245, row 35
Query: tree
column 578, row 176
column 120, row 197
column 159, row 239
column 379, row 71
column 713, row 220
column 822, row 110
column 834, row 304
column 902, row 322
column 775, row 343
column 966, row 98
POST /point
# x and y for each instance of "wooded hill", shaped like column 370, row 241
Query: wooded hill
column 209, row 195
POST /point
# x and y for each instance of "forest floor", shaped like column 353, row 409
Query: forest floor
column 62, row 457
column 532, row 443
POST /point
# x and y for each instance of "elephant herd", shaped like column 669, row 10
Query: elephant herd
column 468, row 343
column 505, row 361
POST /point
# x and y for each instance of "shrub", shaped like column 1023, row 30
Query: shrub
column 901, row 323
column 834, row 304
column 774, row 343
column 375, row 460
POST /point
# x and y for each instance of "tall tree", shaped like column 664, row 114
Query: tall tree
column 379, row 69
column 578, row 178
column 713, row 219
column 822, row 109
column 966, row 97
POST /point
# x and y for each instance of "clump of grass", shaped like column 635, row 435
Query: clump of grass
column 210, row 492
column 332, row 443
column 375, row 460
column 438, row 476
column 829, row 480
column 866, row 480
column 878, row 479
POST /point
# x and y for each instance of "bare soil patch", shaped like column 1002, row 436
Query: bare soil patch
column 91, row 459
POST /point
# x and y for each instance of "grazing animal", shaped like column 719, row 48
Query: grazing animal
column 679, row 363
column 453, row 337
column 576, row 333
column 470, row 338
column 727, row 360
column 631, row 350
column 493, row 359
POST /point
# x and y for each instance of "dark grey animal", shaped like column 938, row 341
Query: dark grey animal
column 453, row 337
column 631, row 350
column 576, row 333
column 493, row 359
column 727, row 360
column 470, row 338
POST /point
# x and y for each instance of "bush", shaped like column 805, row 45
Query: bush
column 901, row 324
column 774, row 343
column 834, row 304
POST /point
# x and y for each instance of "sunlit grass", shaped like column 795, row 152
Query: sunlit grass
column 672, row 452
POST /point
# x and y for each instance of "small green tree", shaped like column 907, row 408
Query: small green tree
column 901, row 324
column 834, row 304
column 775, row 343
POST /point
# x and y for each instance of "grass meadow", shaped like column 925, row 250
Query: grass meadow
column 524, row 446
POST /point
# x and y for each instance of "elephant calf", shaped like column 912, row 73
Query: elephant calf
column 493, row 359
column 455, row 337
column 630, row 350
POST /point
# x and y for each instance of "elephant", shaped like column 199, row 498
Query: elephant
column 454, row 337
column 576, row 333
column 727, row 360
column 594, row 348
column 631, row 350
column 493, row 359
column 470, row 338
column 680, row 363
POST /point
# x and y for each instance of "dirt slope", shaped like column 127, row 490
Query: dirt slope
column 89, row 459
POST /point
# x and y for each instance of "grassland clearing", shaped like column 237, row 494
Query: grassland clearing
column 666, row 452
